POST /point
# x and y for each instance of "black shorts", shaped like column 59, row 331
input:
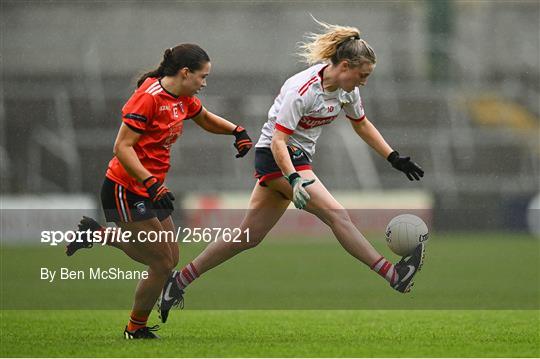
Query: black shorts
column 266, row 167
column 121, row 205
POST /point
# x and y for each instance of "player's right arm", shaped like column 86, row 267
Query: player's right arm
column 136, row 114
column 279, row 149
column 281, row 153
column 124, row 151
column 287, row 120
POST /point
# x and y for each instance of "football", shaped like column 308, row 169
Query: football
column 405, row 232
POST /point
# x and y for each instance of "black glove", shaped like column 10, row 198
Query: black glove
column 405, row 165
column 159, row 194
column 243, row 142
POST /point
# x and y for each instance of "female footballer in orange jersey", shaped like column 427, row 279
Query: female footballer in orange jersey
column 341, row 62
column 134, row 195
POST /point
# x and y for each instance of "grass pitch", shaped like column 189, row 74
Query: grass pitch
column 274, row 333
column 477, row 295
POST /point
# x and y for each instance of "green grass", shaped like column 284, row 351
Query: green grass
column 461, row 272
column 477, row 295
column 255, row 333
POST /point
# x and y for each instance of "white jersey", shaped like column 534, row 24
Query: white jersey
column 303, row 107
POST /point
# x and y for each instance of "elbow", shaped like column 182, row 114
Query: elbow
column 362, row 128
column 118, row 149
column 275, row 144
column 279, row 141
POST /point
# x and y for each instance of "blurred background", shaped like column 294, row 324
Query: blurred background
column 457, row 87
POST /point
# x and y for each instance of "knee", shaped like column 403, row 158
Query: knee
column 164, row 264
column 176, row 259
column 169, row 263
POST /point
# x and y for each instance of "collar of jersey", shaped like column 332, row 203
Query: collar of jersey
column 167, row 92
column 320, row 73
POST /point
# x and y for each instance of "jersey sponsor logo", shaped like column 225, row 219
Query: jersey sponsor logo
column 308, row 122
column 164, row 108
column 175, row 130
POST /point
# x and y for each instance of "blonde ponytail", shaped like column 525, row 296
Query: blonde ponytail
column 335, row 44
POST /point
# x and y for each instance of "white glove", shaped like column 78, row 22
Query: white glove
column 298, row 184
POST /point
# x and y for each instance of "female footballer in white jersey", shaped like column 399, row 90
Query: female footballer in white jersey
column 341, row 62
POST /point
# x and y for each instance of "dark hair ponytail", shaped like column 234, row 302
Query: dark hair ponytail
column 175, row 58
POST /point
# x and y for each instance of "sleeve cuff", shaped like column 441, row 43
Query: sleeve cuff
column 356, row 119
column 284, row 129
column 135, row 117
column 133, row 128
column 195, row 114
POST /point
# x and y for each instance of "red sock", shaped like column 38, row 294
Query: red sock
column 136, row 321
column 187, row 275
column 385, row 269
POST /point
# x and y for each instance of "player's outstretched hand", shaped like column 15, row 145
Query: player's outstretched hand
column 243, row 142
column 300, row 194
column 405, row 165
column 158, row 193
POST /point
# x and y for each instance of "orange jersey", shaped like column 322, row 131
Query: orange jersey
column 159, row 117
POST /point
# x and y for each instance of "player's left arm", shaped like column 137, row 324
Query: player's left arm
column 372, row 136
column 215, row 124
column 369, row 133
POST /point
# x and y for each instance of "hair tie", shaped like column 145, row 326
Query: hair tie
column 355, row 37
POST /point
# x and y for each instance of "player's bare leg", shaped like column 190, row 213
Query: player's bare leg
column 323, row 205
column 265, row 208
column 168, row 225
column 156, row 255
column 160, row 260
column 330, row 211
